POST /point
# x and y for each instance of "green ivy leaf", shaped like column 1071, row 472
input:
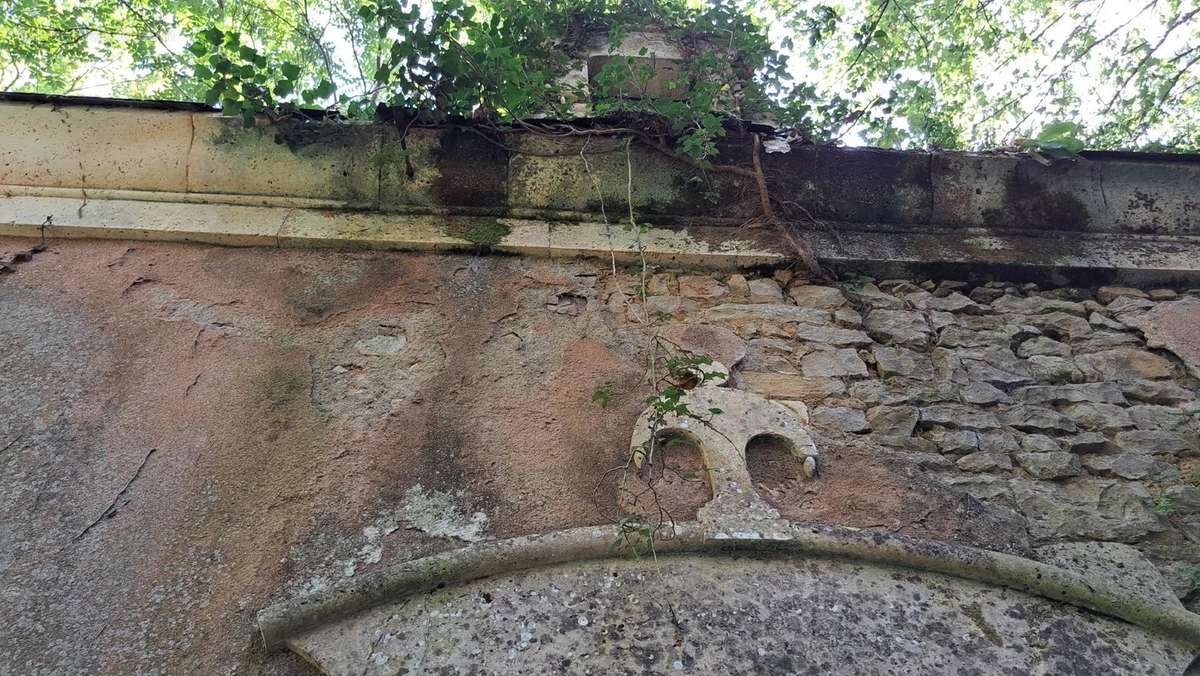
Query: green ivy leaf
column 324, row 90
column 290, row 71
column 213, row 36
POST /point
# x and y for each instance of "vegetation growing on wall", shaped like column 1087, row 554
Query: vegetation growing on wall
column 895, row 73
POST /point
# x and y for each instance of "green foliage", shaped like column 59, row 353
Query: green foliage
column 1059, row 140
column 1163, row 505
column 242, row 80
column 139, row 48
column 895, row 73
column 686, row 372
column 635, row 537
column 972, row 73
column 602, row 395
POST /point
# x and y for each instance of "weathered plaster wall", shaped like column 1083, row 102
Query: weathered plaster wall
column 190, row 432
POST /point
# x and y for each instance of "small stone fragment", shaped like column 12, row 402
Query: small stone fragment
column 984, row 461
column 847, row 318
column 1133, row 466
column 1004, row 441
column 818, row 297
column 1062, row 325
column 1185, row 500
column 739, row 288
column 1129, row 304
column 831, row 335
column 899, row 327
column 765, row 291
column 1056, row 370
column 1039, row 443
column 1104, row 393
column 1036, row 419
column 929, row 461
column 953, row 302
column 837, row 417
column 833, row 363
column 954, row 442
column 657, row 306
column 1151, row 392
column 381, row 346
column 994, row 365
column 788, row 386
column 1105, row 340
column 1043, row 346
column 1155, row 417
column 1124, row 363
column 1107, row 294
column 809, row 467
column 985, row 294
column 899, row 361
column 1163, row 294
column 1035, row 305
column 893, row 422
column 1101, row 322
column 701, row 287
column 1098, row 417
column 942, row 320
column 983, row 394
column 961, row 417
column 1154, row 442
column 1048, row 466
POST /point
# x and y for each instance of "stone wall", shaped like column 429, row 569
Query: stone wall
column 189, row 433
column 1046, row 402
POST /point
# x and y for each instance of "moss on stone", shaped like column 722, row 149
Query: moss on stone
column 485, row 234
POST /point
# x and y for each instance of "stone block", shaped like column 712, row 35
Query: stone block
column 94, row 148
column 1155, row 442
column 840, row 418
column 819, row 297
column 833, row 363
column 898, row 327
column 1048, row 466
column 893, row 423
column 1036, row 419
column 441, row 168
column 1124, row 363
column 984, row 461
column 788, row 386
column 296, row 159
column 902, row 362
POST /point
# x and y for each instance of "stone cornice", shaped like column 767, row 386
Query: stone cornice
column 113, row 169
